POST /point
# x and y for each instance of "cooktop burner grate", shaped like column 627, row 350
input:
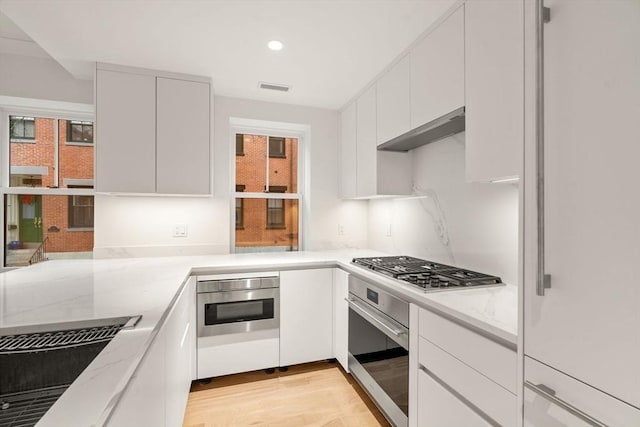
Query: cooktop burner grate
column 425, row 274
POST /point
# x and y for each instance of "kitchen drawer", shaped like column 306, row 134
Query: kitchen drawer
column 492, row 399
column 538, row 410
column 439, row 407
column 493, row 360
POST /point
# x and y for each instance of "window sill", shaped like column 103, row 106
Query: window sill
column 79, row 144
column 278, row 156
column 276, row 227
column 239, row 154
column 74, row 229
column 23, row 140
column 240, row 228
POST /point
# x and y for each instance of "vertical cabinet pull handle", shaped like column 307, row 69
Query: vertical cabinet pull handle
column 543, row 15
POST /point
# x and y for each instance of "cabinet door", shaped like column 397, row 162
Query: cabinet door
column 125, row 132
column 306, row 316
column 366, row 143
column 341, row 317
column 348, row 153
column 437, row 71
column 393, row 93
column 438, row 407
column 494, row 85
column 586, row 324
column 580, row 398
column 143, row 401
column 183, row 142
column 180, row 354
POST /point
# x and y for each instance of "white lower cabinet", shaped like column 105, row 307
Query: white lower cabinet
column 443, row 408
column 341, row 317
column 464, row 378
column 306, row 316
column 143, row 401
column 158, row 391
column 180, row 348
column 554, row 399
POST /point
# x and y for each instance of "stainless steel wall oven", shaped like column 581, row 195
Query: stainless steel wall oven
column 379, row 347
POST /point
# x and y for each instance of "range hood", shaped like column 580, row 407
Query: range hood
column 444, row 126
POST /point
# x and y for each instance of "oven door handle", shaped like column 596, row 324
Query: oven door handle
column 373, row 317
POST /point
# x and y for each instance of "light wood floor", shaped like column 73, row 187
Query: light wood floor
column 313, row 394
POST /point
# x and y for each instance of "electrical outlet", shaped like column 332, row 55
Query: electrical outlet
column 180, row 230
column 340, row 230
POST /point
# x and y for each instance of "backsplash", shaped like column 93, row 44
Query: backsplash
column 469, row 225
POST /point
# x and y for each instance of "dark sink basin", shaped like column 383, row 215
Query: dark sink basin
column 38, row 363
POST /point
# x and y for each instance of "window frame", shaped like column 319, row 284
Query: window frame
column 56, row 110
column 71, row 214
column 22, row 138
column 82, row 123
column 271, row 225
column 280, row 154
column 301, row 133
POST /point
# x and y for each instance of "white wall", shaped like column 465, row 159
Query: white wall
column 468, row 225
column 41, row 78
column 142, row 226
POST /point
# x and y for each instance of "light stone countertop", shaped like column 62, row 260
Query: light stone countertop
column 69, row 290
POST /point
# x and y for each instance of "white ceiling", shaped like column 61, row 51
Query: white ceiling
column 332, row 48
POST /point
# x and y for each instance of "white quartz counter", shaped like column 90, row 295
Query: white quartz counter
column 69, row 290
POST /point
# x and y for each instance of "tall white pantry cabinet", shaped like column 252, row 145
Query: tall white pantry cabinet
column 582, row 337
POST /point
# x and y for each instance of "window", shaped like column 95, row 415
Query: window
column 79, row 131
column 275, row 213
column 22, row 127
column 276, row 147
column 266, row 196
column 239, row 213
column 80, row 211
column 48, row 202
column 239, row 144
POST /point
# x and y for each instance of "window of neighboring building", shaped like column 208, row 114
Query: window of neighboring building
column 239, row 213
column 80, row 211
column 239, row 144
column 78, row 131
column 22, row 127
column 276, row 147
column 275, row 213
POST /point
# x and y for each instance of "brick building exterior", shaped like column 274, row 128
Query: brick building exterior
column 266, row 222
column 67, row 221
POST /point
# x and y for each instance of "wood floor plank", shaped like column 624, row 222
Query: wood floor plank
column 314, row 394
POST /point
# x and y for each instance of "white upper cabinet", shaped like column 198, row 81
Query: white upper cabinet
column 393, row 93
column 366, row 143
column 125, row 132
column 348, row 153
column 182, row 138
column 494, row 49
column 437, row 71
column 153, row 132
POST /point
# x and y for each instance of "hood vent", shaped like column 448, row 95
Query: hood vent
column 442, row 127
column 274, row 86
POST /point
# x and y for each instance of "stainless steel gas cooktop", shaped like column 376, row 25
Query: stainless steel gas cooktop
column 427, row 275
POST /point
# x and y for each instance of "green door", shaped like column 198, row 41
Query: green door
column 30, row 218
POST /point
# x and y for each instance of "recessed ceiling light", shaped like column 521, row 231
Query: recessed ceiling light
column 275, row 45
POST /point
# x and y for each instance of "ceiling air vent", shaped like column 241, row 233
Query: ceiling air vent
column 274, row 86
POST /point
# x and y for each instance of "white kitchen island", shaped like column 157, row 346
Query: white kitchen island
column 73, row 290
